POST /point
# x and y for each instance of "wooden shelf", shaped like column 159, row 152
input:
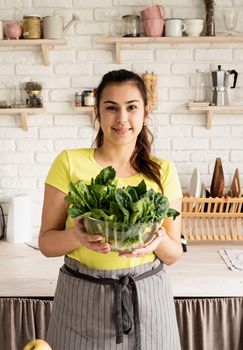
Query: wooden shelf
column 210, row 110
column 45, row 45
column 119, row 41
column 23, row 113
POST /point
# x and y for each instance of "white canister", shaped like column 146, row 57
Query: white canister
column 1, row 30
column 174, row 27
column 19, row 224
column 53, row 27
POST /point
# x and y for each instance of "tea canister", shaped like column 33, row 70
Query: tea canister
column 32, row 27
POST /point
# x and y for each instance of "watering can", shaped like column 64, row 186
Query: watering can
column 53, row 26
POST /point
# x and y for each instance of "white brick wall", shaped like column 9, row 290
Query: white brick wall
column 25, row 157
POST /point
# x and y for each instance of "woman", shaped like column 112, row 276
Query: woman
column 105, row 300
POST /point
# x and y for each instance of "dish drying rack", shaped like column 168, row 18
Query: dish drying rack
column 212, row 219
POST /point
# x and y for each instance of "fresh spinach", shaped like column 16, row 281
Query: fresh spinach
column 124, row 207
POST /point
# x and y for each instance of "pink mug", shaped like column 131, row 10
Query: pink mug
column 155, row 11
column 153, row 26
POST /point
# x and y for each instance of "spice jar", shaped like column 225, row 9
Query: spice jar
column 78, row 99
column 32, row 27
column 89, row 99
column 130, row 26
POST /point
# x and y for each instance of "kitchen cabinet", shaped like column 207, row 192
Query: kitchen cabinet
column 44, row 44
column 210, row 110
column 118, row 42
column 23, row 112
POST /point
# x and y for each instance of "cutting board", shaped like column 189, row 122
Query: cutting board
column 235, row 184
column 217, row 184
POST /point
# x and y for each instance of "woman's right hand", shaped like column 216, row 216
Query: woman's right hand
column 93, row 242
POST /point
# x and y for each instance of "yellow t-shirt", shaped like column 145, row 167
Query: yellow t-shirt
column 76, row 164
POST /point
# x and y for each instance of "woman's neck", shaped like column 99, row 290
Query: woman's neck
column 119, row 159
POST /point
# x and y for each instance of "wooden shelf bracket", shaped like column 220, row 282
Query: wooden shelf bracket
column 45, row 53
column 210, row 110
column 24, row 123
column 23, row 112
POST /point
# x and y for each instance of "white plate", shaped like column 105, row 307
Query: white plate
column 196, row 185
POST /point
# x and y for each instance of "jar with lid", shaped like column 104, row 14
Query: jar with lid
column 34, row 99
column 89, row 99
column 32, row 27
column 130, row 26
column 200, row 86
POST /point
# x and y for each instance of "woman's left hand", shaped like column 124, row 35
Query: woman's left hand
column 148, row 248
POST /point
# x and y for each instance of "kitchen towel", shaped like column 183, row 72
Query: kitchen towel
column 233, row 258
column 19, row 224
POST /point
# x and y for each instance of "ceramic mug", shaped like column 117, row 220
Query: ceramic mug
column 1, row 30
column 155, row 11
column 174, row 27
column 153, row 26
column 194, row 26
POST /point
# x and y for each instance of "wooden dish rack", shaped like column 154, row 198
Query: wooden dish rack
column 212, row 219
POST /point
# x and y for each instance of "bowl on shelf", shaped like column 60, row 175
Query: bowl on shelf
column 122, row 237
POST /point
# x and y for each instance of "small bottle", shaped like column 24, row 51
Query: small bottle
column 78, row 99
column 200, row 87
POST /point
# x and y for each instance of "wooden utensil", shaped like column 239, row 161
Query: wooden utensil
column 217, row 184
column 235, row 184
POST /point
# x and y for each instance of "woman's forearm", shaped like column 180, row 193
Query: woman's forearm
column 169, row 250
column 58, row 242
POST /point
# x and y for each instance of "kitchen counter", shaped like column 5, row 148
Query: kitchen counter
column 201, row 272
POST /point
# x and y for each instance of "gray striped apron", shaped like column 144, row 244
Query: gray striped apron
column 125, row 309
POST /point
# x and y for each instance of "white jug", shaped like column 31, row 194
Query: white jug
column 19, row 224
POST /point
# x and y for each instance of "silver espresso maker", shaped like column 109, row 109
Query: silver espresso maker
column 220, row 80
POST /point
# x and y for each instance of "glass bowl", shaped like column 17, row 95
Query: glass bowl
column 122, row 237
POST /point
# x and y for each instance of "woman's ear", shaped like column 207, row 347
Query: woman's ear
column 147, row 111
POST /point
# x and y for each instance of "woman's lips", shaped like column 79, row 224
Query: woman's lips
column 122, row 131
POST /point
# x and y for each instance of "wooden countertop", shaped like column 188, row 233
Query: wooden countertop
column 201, row 272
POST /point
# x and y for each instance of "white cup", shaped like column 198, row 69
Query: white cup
column 174, row 27
column 193, row 26
column 1, row 30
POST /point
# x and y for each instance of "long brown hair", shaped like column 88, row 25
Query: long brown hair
column 140, row 159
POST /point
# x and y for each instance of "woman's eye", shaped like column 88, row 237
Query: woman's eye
column 131, row 107
column 111, row 108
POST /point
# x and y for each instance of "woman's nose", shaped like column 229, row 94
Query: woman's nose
column 122, row 116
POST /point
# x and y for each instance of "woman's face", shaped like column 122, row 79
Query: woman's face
column 122, row 113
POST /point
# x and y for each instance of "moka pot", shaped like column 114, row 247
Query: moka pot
column 220, row 80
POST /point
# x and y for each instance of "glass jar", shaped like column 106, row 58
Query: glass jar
column 89, row 99
column 34, row 99
column 32, row 27
column 130, row 26
column 200, row 87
